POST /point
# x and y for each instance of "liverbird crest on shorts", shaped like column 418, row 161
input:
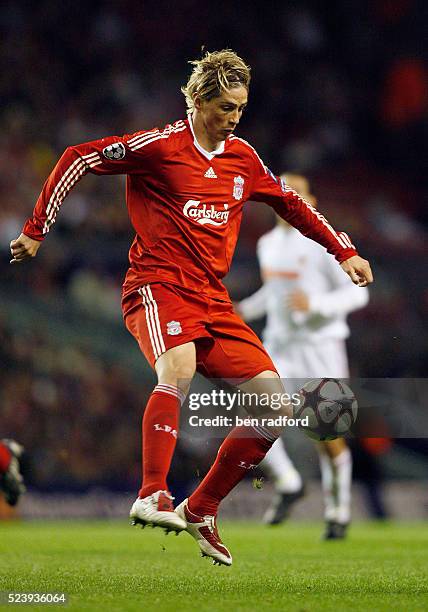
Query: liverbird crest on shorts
column 238, row 188
column 173, row 328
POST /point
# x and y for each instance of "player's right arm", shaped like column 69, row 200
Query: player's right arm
column 111, row 155
column 23, row 247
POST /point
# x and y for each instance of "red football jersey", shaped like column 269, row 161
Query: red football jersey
column 184, row 202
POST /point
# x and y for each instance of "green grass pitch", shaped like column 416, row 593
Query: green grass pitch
column 111, row 566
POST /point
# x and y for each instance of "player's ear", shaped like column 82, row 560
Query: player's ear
column 197, row 101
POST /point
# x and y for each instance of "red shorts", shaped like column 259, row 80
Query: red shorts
column 161, row 316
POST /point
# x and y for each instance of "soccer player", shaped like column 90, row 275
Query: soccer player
column 186, row 186
column 11, row 481
column 306, row 298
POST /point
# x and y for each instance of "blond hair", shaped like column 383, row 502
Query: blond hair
column 214, row 73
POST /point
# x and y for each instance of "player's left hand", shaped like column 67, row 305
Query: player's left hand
column 297, row 301
column 359, row 270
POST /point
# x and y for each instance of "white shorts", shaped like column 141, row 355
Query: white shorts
column 326, row 359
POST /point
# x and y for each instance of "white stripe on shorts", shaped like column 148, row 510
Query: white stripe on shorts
column 152, row 319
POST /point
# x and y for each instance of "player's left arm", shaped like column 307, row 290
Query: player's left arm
column 341, row 298
column 358, row 269
column 289, row 205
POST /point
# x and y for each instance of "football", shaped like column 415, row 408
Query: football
column 330, row 407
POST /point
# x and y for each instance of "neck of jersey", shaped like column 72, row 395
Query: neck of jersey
column 208, row 154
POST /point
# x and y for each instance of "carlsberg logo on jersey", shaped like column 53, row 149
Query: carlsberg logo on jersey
column 206, row 214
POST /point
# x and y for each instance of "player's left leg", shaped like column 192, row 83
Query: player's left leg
column 235, row 355
column 328, row 358
column 336, row 478
column 241, row 451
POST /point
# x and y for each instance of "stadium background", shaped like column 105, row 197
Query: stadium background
column 339, row 93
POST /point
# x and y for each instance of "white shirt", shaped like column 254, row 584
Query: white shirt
column 291, row 262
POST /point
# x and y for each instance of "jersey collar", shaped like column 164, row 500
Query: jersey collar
column 208, row 154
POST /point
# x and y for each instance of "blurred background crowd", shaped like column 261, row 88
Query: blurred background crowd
column 339, row 93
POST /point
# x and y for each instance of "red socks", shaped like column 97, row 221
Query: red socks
column 241, row 451
column 160, row 429
column 5, row 457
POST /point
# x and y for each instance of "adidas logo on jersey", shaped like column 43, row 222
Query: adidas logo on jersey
column 210, row 173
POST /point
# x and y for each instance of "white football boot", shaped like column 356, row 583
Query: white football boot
column 157, row 510
column 204, row 530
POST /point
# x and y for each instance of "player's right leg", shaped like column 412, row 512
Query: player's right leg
column 154, row 504
column 165, row 321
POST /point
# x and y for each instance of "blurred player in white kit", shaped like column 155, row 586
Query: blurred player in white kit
column 306, row 298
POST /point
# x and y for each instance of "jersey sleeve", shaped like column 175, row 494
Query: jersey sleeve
column 288, row 204
column 111, row 155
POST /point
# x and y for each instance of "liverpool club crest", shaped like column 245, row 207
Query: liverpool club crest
column 238, row 187
column 173, row 328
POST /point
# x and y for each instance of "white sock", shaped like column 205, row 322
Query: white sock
column 278, row 465
column 327, row 484
column 343, row 481
column 336, row 479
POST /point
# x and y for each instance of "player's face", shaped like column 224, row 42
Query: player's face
column 221, row 115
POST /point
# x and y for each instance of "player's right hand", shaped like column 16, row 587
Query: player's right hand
column 23, row 248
